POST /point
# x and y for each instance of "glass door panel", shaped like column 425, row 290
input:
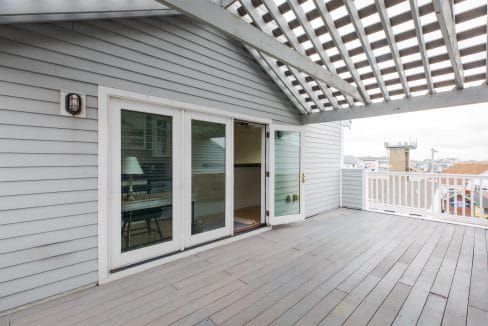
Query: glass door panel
column 287, row 173
column 146, row 179
column 208, row 177
column 144, row 206
column 287, row 178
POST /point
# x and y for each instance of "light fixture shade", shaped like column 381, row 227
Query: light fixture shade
column 130, row 165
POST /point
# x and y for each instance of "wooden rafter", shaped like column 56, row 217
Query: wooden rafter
column 297, row 9
column 270, row 5
column 368, row 51
column 334, row 34
column 445, row 18
column 420, row 39
column 390, row 38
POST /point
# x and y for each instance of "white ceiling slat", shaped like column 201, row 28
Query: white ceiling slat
column 420, row 38
column 290, row 36
column 218, row 17
column 258, row 20
column 445, row 18
column 336, row 38
column 298, row 11
column 359, row 28
column 390, row 38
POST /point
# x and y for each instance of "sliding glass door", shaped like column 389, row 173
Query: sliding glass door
column 208, row 176
column 144, row 178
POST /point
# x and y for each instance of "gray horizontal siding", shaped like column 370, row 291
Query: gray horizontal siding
column 322, row 164
column 48, row 162
column 352, row 188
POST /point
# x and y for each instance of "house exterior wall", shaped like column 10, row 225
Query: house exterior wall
column 353, row 188
column 48, row 162
column 322, row 166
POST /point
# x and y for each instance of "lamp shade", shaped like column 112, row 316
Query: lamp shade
column 130, row 165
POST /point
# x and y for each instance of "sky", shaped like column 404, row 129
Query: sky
column 459, row 132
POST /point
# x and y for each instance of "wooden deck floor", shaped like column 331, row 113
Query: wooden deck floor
column 343, row 267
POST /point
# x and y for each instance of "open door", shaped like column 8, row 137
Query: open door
column 286, row 177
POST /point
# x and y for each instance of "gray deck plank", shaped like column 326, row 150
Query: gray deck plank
column 415, row 301
column 433, row 310
column 341, row 267
column 478, row 292
column 457, row 302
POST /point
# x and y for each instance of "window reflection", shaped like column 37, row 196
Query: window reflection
column 146, row 179
column 208, row 176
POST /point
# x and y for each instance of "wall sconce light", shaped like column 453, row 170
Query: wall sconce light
column 73, row 103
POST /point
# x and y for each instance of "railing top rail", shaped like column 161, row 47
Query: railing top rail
column 442, row 175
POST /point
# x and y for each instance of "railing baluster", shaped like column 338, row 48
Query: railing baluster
column 482, row 209
column 463, row 187
column 393, row 183
column 447, row 208
column 471, row 194
column 426, row 208
column 455, row 196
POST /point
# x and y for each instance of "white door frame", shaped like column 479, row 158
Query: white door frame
column 105, row 94
column 190, row 239
column 117, row 257
column 276, row 220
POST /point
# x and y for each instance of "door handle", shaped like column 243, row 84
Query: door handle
column 303, row 177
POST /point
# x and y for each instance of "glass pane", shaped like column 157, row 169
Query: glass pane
column 146, row 179
column 287, row 173
column 208, row 176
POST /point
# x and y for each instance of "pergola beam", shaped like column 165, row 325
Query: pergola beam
column 467, row 96
column 227, row 3
column 297, row 9
column 443, row 11
column 422, row 48
column 336, row 38
column 216, row 16
column 280, row 79
column 259, row 22
column 290, row 36
column 368, row 51
column 390, row 38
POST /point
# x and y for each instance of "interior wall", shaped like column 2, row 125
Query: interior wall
column 247, row 162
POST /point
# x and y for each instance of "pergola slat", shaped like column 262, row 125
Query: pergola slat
column 307, row 28
column 446, row 22
column 334, row 34
column 366, row 47
column 298, row 47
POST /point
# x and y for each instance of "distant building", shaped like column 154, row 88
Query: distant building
column 372, row 163
column 351, row 162
column 399, row 155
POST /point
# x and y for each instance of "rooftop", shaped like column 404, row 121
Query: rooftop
column 474, row 168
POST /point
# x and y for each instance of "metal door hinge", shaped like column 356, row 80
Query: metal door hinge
column 267, row 134
column 267, row 174
column 267, row 213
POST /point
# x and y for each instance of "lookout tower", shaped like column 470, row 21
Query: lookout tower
column 399, row 155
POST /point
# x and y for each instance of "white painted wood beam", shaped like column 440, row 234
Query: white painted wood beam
column 443, row 12
column 280, row 79
column 227, row 3
column 297, row 9
column 259, row 22
column 216, row 16
column 414, row 8
column 457, row 97
column 363, row 38
column 390, row 38
column 291, row 38
column 337, row 39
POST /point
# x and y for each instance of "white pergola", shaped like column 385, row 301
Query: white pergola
column 345, row 59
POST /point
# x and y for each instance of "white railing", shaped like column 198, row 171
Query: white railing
column 444, row 196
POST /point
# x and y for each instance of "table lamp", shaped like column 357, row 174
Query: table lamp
column 131, row 166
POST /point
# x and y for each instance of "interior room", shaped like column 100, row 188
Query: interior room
column 248, row 174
